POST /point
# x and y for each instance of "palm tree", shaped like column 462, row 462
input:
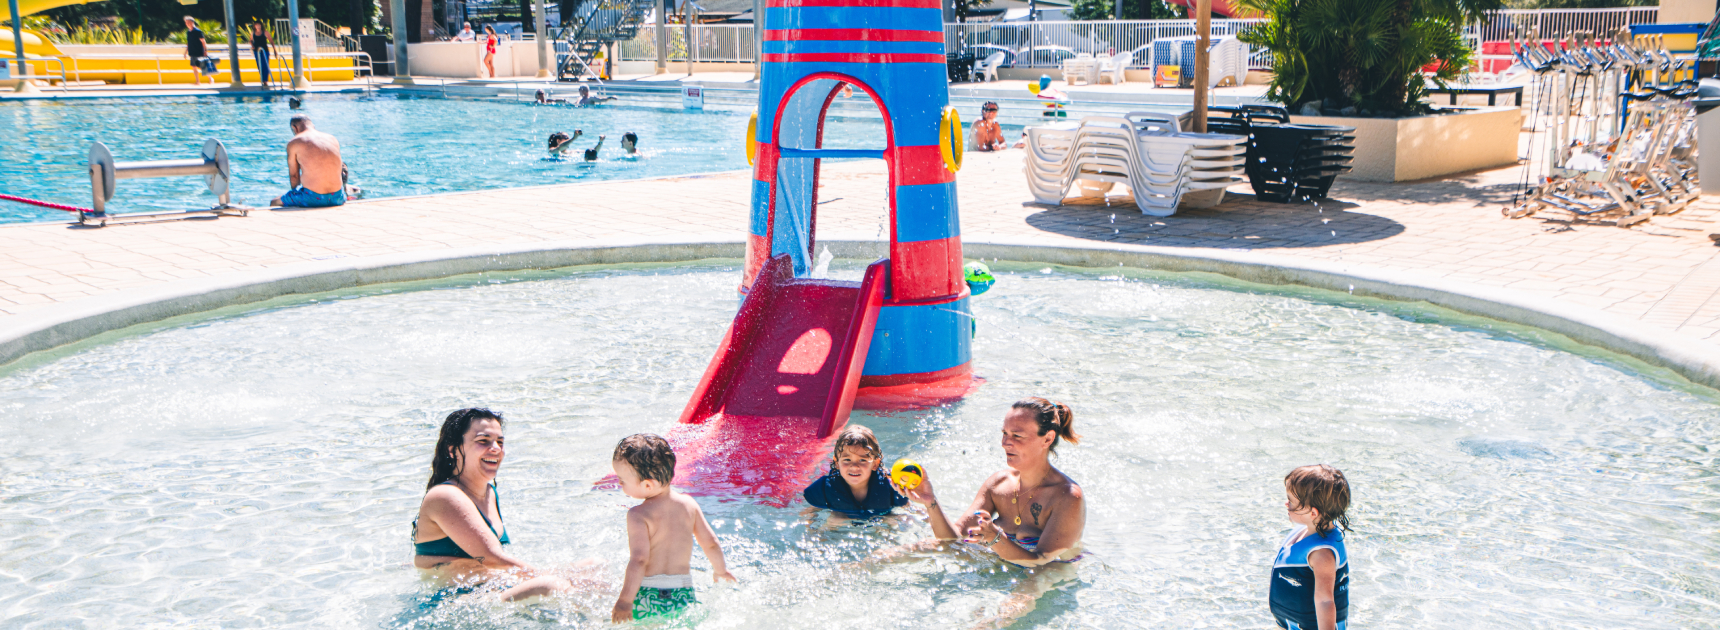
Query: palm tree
column 1363, row 56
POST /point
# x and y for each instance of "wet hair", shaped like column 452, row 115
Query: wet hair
column 989, row 106
column 649, row 455
column 632, row 138
column 300, row 121
column 855, row 435
column 1323, row 488
column 1052, row 417
column 445, row 464
column 558, row 138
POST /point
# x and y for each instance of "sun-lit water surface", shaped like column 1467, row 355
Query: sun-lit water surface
column 262, row 468
column 393, row 145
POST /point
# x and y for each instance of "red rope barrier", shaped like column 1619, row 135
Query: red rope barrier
column 45, row 204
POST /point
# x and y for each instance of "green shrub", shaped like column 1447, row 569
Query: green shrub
column 1362, row 57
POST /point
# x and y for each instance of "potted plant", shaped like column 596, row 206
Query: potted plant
column 1362, row 57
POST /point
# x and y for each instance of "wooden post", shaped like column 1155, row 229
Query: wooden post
column 661, row 31
column 1202, row 61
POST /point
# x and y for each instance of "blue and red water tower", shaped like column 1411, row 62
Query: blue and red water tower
column 893, row 50
column 788, row 370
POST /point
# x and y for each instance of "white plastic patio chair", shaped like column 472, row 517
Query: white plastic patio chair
column 1113, row 68
column 1081, row 67
column 987, row 68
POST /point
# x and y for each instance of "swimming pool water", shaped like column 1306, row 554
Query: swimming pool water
column 393, row 145
column 261, row 467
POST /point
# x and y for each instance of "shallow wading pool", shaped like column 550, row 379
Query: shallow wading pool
column 260, row 466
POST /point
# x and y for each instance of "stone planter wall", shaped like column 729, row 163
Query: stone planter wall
column 1405, row 149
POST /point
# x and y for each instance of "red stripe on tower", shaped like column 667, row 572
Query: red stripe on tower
column 916, row 166
column 853, row 58
column 926, row 269
column 851, row 35
column 764, row 165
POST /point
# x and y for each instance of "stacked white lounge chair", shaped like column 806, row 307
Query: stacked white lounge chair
column 1163, row 166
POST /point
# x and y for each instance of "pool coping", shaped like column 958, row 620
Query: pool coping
column 55, row 326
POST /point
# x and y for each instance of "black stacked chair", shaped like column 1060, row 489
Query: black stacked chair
column 1286, row 162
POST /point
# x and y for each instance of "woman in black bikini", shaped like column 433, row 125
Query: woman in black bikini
column 459, row 530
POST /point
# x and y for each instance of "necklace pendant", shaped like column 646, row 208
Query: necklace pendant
column 1017, row 520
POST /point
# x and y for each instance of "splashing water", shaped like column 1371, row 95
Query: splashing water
column 261, row 466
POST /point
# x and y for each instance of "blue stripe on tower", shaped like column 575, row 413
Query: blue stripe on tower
column 926, row 212
column 804, row 47
column 852, row 17
column 920, row 339
column 914, row 93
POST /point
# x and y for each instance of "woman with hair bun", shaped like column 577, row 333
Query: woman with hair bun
column 1030, row 514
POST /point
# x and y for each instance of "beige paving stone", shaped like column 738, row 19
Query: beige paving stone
column 1664, row 273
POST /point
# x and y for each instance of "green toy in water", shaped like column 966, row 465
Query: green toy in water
column 979, row 278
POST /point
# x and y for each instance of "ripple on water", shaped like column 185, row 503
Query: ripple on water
column 261, row 468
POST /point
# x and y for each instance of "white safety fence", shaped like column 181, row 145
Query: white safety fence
column 1044, row 44
column 715, row 43
column 1556, row 23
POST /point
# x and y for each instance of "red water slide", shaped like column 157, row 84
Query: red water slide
column 782, row 381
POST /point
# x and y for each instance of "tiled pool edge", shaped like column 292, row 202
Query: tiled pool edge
column 71, row 322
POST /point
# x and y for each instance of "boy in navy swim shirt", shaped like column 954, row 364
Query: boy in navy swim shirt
column 856, row 485
column 1311, row 573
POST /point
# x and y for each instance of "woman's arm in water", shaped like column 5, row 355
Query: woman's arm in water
column 924, row 495
column 1062, row 532
column 458, row 517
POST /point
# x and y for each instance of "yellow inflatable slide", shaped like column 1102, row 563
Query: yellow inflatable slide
column 148, row 65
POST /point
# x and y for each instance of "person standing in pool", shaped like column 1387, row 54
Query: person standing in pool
column 196, row 49
column 459, row 531
column 586, row 99
column 314, row 168
column 660, row 533
column 260, row 49
column 1029, row 514
column 1311, row 572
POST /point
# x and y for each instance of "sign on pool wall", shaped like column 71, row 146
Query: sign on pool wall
column 692, row 97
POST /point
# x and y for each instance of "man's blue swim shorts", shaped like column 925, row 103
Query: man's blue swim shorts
column 302, row 197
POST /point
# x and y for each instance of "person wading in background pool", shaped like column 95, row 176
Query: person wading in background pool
column 490, row 49
column 260, row 48
column 195, row 50
column 1029, row 514
column 987, row 134
column 314, row 168
column 459, row 531
column 585, row 97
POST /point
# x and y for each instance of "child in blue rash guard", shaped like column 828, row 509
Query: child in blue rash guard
column 856, row 485
column 1311, row 573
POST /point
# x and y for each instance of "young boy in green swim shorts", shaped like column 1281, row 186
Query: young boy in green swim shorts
column 660, row 533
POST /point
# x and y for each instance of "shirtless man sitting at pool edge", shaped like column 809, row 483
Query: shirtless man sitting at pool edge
column 313, row 168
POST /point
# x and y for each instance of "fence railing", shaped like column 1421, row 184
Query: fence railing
column 714, row 43
column 327, row 37
column 1555, row 23
column 1060, row 39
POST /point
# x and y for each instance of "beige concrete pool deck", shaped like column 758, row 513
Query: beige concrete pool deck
column 1663, row 275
